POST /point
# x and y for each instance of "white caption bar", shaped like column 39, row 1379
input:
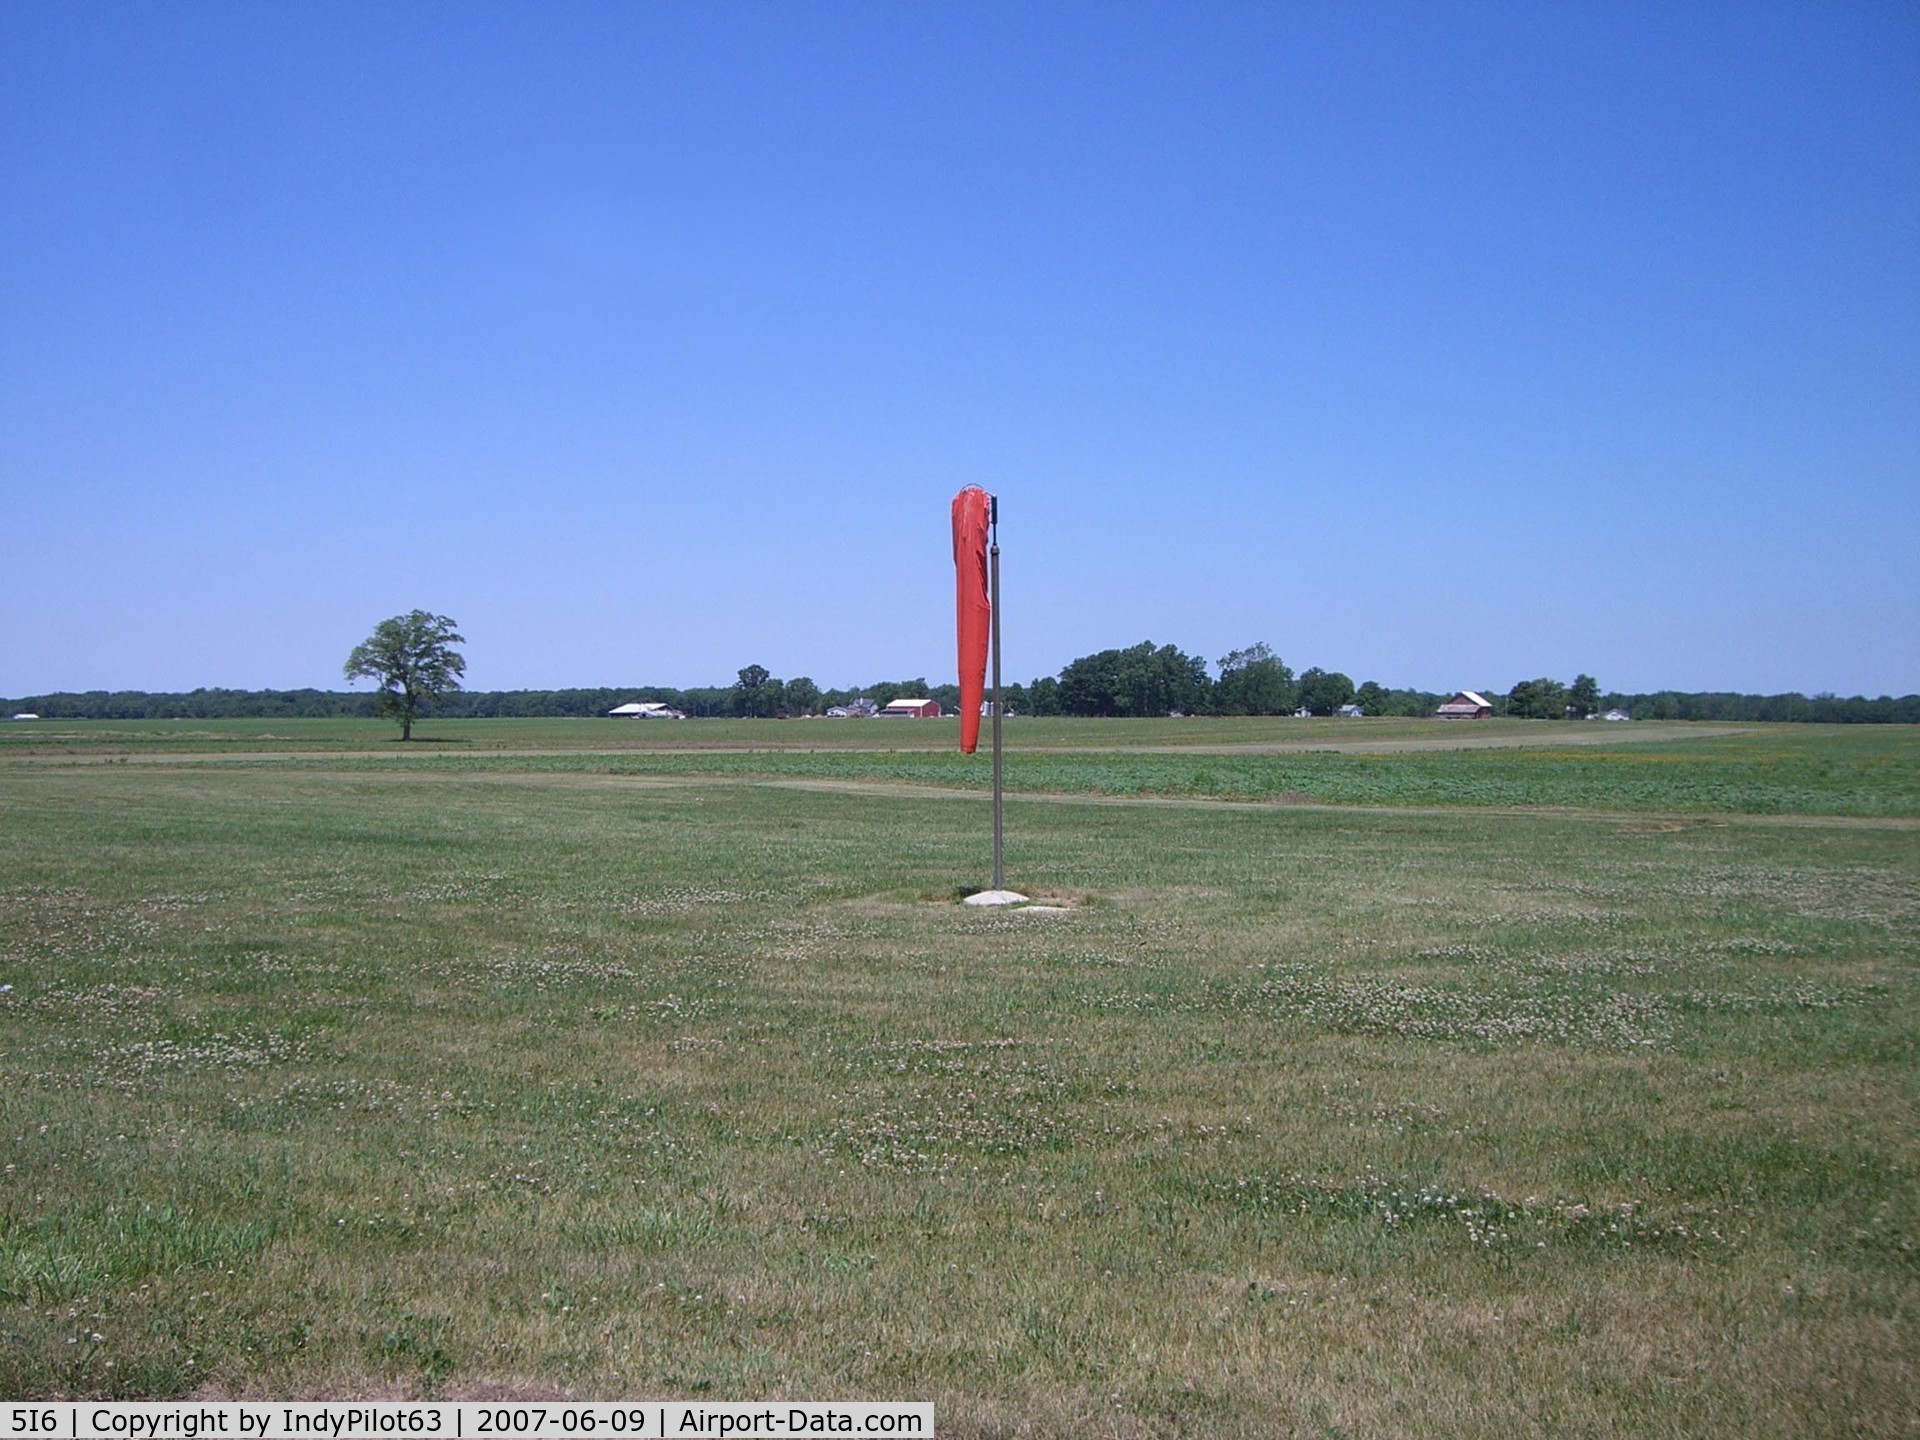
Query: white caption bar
column 455, row 1420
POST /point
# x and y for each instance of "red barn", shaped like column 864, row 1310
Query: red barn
column 1467, row 705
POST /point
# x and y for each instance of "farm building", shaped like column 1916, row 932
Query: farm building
column 646, row 710
column 1352, row 712
column 1616, row 716
column 912, row 709
column 1467, row 705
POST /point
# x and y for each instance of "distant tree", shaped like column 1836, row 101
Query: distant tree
column 757, row 694
column 1414, row 704
column 413, row 659
column 803, row 696
column 1324, row 691
column 1253, row 681
column 1585, row 695
column 1178, row 681
column 1139, row 680
column 1087, row 684
column 1043, row 696
column 1372, row 697
column 708, row 701
column 1542, row 699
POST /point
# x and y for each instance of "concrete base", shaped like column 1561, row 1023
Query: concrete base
column 995, row 897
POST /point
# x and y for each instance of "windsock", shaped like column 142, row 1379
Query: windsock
column 972, row 512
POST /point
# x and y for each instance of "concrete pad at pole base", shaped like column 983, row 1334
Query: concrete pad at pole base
column 995, row 897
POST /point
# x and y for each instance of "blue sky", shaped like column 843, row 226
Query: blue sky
column 1443, row 344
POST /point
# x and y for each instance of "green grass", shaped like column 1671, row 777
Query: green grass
column 563, row 1064
column 1864, row 770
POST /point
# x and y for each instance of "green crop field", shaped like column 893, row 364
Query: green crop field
column 1365, row 1078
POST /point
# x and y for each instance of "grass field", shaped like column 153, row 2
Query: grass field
column 1378, row 1079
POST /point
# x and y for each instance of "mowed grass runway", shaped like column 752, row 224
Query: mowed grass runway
column 1379, row 1078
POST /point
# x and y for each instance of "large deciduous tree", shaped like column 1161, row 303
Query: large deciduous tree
column 1541, row 699
column 1585, row 694
column 1139, row 680
column 1253, row 681
column 1324, row 691
column 758, row 694
column 413, row 659
column 803, row 696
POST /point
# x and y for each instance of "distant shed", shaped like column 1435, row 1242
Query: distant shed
column 912, row 709
column 1466, row 705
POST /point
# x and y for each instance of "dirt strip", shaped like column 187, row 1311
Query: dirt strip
column 1651, row 820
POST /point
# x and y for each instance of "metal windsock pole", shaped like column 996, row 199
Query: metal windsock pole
column 993, row 600
column 976, row 560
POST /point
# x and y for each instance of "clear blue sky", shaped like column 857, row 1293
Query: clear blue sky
column 1443, row 344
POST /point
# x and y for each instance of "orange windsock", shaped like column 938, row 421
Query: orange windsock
column 972, row 513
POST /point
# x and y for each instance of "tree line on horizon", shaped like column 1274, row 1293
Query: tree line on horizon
column 1139, row 680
